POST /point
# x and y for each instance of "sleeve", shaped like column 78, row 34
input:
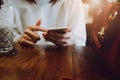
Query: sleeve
column 18, row 30
column 19, row 14
column 77, row 22
column 16, row 34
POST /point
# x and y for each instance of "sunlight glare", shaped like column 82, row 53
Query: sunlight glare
column 96, row 2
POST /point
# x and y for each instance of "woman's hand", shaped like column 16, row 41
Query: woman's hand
column 60, row 39
column 30, row 35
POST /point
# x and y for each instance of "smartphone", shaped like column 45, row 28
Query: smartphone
column 58, row 29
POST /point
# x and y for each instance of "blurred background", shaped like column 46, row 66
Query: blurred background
column 91, row 9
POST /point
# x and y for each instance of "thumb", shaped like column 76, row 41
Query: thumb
column 69, row 29
column 38, row 23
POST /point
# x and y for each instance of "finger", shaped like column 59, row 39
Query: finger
column 29, row 38
column 44, row 35
column 25, row 36
column 54, row 40
column 37, row 28
column 58, row 35
column 63, row 41
column 42, row 29
column 26, row 42
column 69, row 30
column 38, row 23
column 32, row 34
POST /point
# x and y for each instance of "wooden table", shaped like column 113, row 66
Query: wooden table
column 53, row 63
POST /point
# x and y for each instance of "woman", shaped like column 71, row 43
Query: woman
column 34, row 17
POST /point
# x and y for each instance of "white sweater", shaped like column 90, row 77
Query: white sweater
column 65, row 13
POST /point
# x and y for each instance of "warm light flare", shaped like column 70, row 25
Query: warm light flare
column 96, row 2
column 100, row 2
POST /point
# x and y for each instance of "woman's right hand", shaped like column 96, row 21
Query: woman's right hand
column 30, row 35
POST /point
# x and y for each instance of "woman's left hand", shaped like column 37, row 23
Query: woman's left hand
column 60, row 39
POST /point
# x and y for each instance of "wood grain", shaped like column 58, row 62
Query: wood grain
column 52, row 63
